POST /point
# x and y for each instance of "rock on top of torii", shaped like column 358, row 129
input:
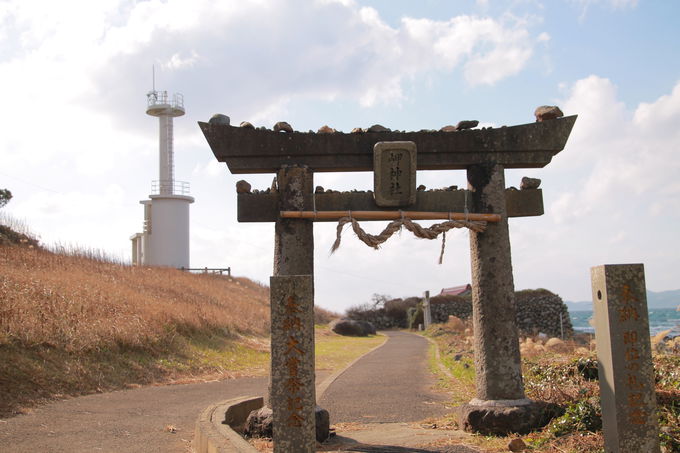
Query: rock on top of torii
column 247, row 150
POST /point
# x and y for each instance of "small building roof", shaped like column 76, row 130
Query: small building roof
column 456, row 290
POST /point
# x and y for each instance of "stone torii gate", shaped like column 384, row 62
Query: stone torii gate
column 500, row 404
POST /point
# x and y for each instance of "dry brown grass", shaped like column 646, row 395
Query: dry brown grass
column 73, row 324
column 75, row 303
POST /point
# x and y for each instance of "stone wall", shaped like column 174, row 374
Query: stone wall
column 538, row 310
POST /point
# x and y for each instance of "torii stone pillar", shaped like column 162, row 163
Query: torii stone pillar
column 292, row 393
column 294, row 238
column 500, row 405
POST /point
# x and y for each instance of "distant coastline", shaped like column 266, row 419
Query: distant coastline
column 660, row 319
column 661, row 299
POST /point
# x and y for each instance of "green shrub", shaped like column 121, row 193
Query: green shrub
column 580, row 416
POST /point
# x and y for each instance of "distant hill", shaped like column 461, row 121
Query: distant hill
column 662, row 299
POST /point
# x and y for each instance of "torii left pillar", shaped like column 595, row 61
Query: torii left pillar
column 292, row 393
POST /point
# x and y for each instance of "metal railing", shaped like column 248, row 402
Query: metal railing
column 169, row 187
column 208, row 270
column 161, row 97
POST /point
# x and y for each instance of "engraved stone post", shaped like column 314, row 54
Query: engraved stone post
column 292, row 394
column 625, row 359
column 427, row 312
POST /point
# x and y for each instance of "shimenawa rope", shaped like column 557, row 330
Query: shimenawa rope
column 396, row 225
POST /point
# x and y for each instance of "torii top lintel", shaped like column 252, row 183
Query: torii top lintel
column 264, row 151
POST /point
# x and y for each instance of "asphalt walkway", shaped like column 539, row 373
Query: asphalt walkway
column 134, row 421
column 391, row 384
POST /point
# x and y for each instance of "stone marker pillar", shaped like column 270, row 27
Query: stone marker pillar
column 501, row 405
column 625, row 359
column 427, row 311
column 292, row 395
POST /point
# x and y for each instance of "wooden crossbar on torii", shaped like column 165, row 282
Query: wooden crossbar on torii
column 389, row 215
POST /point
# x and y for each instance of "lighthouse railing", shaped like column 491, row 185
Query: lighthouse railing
column 170, row 187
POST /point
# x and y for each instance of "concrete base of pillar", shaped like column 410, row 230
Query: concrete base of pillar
column 502, row 417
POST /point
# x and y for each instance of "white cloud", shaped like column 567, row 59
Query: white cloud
column 626, row 154
column 611, row 196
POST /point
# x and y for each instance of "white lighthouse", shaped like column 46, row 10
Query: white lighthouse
column 165, row 237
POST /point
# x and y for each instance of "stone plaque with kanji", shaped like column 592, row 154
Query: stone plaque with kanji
column 394, row 173
column 624, row 356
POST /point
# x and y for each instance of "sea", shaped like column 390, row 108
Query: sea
column 660, row 319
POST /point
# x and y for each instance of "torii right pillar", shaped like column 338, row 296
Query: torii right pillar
column 500, row 406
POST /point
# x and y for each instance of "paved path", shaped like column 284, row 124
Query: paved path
column 129, row 421
column 391, row 384
column 123, row 421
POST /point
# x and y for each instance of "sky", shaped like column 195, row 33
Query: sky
column 78, row 151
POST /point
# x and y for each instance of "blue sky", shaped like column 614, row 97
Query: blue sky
column 78, row 151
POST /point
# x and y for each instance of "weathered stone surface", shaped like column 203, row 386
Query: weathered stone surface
column 517, row 444
column 237, row 413
column 357, row 130
column 496, row 341
column 377, row 128
column 350, row 327
column 394, row 173
column 292, row 395
column 259, row 423
column 220, row 119
column 266, row 208
column 260, row 151
column 243, row 186
column 282, row 126
column 448, row 128
column 326, row 130
column 466, row 124
column 246, row 125
column 323, row 424
column 503, row 420
column 529, row 183
column 547, row 112
column 294, row 238
column 626, row 375
column 368, row 327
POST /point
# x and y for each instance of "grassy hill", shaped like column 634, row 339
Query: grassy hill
column 72, row 325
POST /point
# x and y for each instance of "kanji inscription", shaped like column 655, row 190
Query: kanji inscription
column 292, row 389
column 394, row 173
